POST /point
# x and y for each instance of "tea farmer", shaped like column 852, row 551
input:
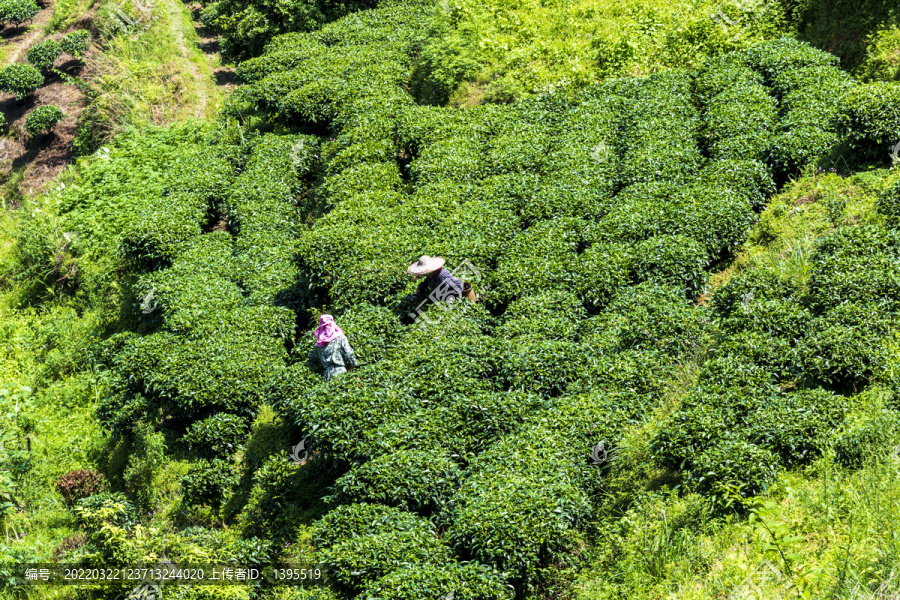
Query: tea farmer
column 439, row 283
column 332, row 349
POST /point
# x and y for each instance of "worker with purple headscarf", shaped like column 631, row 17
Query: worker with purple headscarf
column 332, row 350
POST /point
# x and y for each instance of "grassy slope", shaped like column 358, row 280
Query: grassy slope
column 666, row 547
column 835, row 527
column 161, row 76
column 501, row 49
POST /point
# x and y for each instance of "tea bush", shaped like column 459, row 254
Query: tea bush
column 75, row 43
column 660, row 131
column 20, row 79
column 247, row 27
column 856, row 265
column 870, row 116
column 647, row 316
column 464, row 428
column 218, row 436
column 207, row 481
column 676, row 259
column 18, row 11
column 888, row 205
column 839, row 349
column 733, row 463
column 361, row 543
column 800, row 426
column 419, row 481
column 466, row 580
column 519, row 508
column 553, row 314
column 42, row 119
column 750, row 178
column 43, row 54
column 362, row 519
column 868, row 437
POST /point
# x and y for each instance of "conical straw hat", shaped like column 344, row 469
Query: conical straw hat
column 425, row 265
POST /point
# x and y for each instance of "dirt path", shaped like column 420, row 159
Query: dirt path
column 175, row 29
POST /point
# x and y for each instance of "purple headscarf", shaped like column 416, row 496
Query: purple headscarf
column 327, row 330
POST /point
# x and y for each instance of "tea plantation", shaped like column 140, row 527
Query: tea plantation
column 681, row 308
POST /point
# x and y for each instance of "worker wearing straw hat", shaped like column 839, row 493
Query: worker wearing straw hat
column 439, row 283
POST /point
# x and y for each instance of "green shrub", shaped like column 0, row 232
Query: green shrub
column 113, row 508
column 518, row 510
column 75, row 43
column 145, row 461
column 779, row 357
column 603, row 269
column 272, row 512
column 21, row 80
column 857, row 265
column 721, row 74
column 43, row 54
column 671, row 259
column 359, row 543
column 756, row 285
column 535, row 364
column 207, row 482
column 218, row 436
column 870, row 117
column 372, row 331
column 18, row 11
column 785, row 318
column 539, row 259
column 733, row 463
column 553, row 314
column 470, row 580
column 638, row 212
column 464, row 427
column 800, row 426
column 888, row 205
column 661, row 131
column 419, row 481
column 648, row 316
column 359, row 562
column 776, row 56
column 717, row 217
column 359, row 520
column 224, row 365
column 739, row 123
column 844, row 348
column 749, row 178
column 42, row 119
